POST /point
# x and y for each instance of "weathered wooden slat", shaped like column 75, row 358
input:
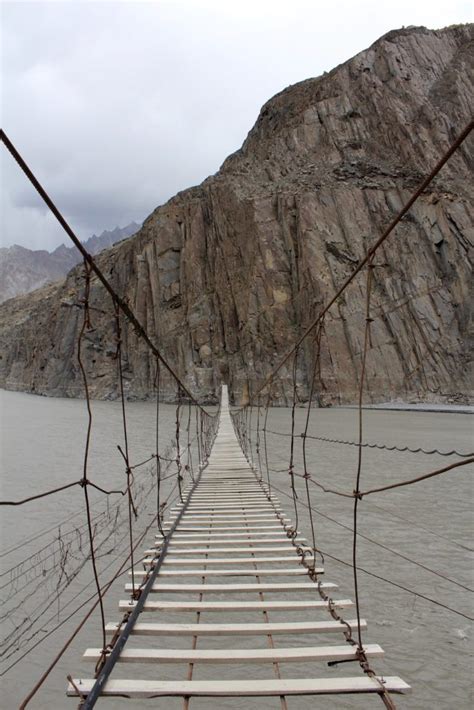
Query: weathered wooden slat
column 229, row 501
column 247, row 655
column 227, row 560
column 214, row 527
column 228, row 606
column 184, row 540
column 261, row 572
column 213, row 551
column 207, row 517
column 240, row 510
column 241, row 688
column 260, row 629
column 231, row 497
column 232, row 588
column 218, row 534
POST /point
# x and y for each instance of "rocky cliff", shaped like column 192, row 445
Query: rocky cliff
column 227, row 274
column 23, row 270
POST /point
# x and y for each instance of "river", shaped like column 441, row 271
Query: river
column 430, row 523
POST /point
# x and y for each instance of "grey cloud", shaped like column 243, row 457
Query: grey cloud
column 117, row 106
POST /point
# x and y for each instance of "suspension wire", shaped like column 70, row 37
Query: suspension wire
column 361, row 655
column 387, row 511
column 359, row 452
column 438, row 472
column 292, row 445
column 37, row 560
column 81, row 482
column 402, row 587
column 198, row 435
column 384, row 579
column 381, row 447
column 398, row 484
column 189, row 465
column 157, row 448
column 316, row 371
column 86, row 324
column 125, row 455
column 248, row 428
column 258, row 441
column 120, row 639
column 178, row 450
column 25, row 541
column 381, row 545
column 265, row 444
column 15, row 641
column 167, row 503
column 43, row 495
column 105, row 588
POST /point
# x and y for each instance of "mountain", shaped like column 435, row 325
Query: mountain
column 23, row 270
column 226, row 275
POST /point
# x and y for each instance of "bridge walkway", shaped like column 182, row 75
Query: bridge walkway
column 231, row 611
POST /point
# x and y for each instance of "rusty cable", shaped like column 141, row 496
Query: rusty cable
column 363, row 369
column 377, row 543
column 85, row 325
column 381, row 447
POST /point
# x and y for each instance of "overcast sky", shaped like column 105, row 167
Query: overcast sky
column 118, row 105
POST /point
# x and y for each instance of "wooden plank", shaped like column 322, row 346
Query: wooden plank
column 227, row 501
column 240, row 588
column 242, row 520
column 185, row 527
column 226, row 560
column 301, row 571
column 230, row 497
column 215, row 541
column 218, row 534
column 259, row 629
column 230, row 539
column 210, row 550
column 230, row 606
column 248, row 655
column 237, row 520
column 228, row 488
column 240, row 688
column 236, row 506
column 243, row 499
column 232, row 500
column 232, row 517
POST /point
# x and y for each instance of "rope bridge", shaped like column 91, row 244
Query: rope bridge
column 231, row 526
column 220, row 519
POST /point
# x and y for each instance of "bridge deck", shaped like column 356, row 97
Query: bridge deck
column 230, row 528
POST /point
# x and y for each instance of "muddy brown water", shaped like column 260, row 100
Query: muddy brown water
column 431, row 523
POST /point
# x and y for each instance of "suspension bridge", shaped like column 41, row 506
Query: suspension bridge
column 228, row 527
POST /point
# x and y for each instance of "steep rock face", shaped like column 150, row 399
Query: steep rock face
column 226, row 275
